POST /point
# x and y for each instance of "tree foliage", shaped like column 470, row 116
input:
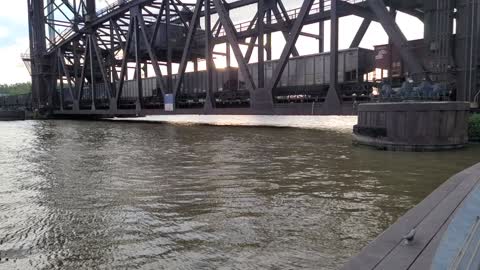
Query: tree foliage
column 15, row 89
column 474, row 127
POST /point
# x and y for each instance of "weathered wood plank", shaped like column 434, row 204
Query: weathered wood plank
column 425, row 259
column 403, row 256
column 371, row 256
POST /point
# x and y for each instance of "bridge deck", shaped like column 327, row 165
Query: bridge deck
column 430, row 219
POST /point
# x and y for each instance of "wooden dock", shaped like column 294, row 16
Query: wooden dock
column 428, row 222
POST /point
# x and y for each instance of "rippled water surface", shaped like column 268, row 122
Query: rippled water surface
column 82, row 195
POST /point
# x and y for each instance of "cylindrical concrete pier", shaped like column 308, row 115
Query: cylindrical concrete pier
column 413, row 126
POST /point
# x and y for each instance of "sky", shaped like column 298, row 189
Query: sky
column 14, row 36
column 13, row 42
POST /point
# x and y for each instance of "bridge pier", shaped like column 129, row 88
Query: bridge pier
column 261, row 101
column 413, row 126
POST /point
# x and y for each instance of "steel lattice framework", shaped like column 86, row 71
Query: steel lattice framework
column 75, row 48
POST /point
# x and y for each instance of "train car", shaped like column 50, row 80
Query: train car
column 307, row 78
column 101, row 97
column 388, row 57
column 231, row 91
column 63, row 96
column 193, row 91
column 16, row 102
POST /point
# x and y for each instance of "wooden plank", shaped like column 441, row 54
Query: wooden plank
column 403, row 256
column 425, row 259
column 384, row 244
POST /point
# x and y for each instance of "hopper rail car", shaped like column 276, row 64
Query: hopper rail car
column 305, row 79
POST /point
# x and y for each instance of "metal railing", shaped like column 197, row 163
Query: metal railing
column 112, row 6
column 292, row 14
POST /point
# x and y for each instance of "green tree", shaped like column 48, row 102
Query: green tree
column 474, row 127
column 15, row 89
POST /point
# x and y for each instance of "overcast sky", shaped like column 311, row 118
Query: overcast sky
column 14, row 36
column 13, row 41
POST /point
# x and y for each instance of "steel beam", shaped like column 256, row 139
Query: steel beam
column 333, row 101
column 292, row 39
column 344, row 9
column 321, row 29
column 261, row 44
column 253, row 40
column 63, row 66
column 92, row 73
column 166, row 3
column 60, row 77
column 192, row 29
column 38, row 49
column 138, row 65
column 232, row 39
column 287, row 21
column 83, row 72
column 210, row 99
column 157, row 23
column 91, row 9
column 151, row 53
column 398, row 38
column 269, row 35
column 360, row 33
column 123, row 71
column 101, row 65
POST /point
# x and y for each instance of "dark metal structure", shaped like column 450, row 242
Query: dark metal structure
column 138, row 57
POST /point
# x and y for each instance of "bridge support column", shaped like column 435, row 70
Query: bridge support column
column 38, row 49
column 91, row 10
column 321, row 29
column 332, row 103
column 210, row 100
column 467, row 53
column 261, row 44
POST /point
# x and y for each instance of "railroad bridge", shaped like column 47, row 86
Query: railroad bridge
column 138, row 57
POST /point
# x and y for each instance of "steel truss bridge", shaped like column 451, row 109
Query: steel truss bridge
column 134, row 57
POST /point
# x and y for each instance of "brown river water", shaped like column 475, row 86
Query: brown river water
column 113, row 195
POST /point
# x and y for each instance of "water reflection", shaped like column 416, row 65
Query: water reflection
column 86, row 195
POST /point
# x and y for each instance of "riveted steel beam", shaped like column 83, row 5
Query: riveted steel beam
column 362, row 30
column 292, row 39
column 233, row 40
column 192, row 29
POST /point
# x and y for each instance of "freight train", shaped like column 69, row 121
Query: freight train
column 305, row 79
column 16, row 102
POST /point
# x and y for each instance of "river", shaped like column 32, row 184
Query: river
column 114, row 195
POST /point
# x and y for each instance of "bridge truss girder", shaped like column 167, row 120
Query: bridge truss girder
column 100, row 48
